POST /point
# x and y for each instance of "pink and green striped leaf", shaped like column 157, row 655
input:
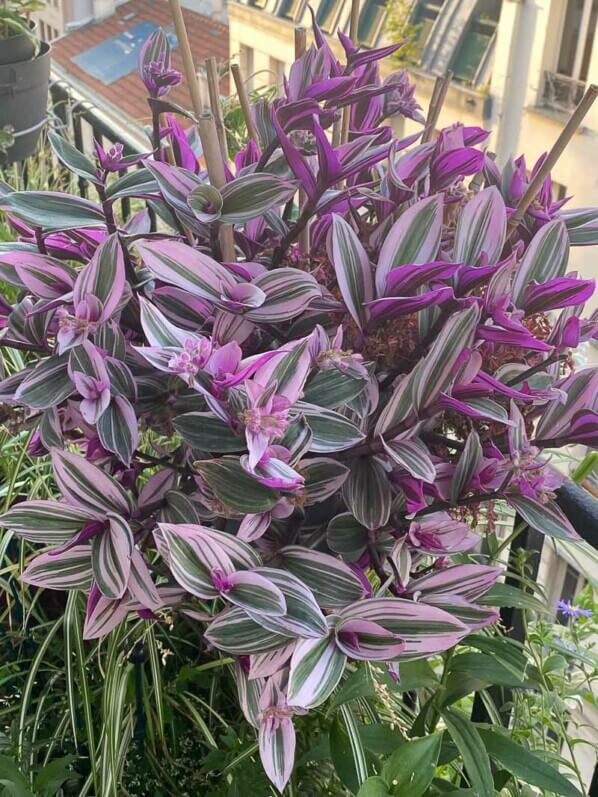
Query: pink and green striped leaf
column 303, row 617
column 424, row 629
column 438, row 367
column 317, row 665
column 47, row 522
column 48, row 385
column 68, row 570
column 545, row 258
column 85, row 485
column 111, row 552
column 234, row 631
column 103, row 277
column 367, row 493
column 177, row 264
column 481, row 228
column 353, row 270
column 412, row 455
column 331, row 581
column 545, row 517
column 323, row 478
column 414, row 238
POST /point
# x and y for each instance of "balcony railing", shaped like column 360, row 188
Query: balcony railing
column 560, row 92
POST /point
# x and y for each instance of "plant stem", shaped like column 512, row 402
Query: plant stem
column 39, row 240
column 107, row 210
column 295, row 231
column 554, row 358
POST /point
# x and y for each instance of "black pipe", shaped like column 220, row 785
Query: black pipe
column 581, row 508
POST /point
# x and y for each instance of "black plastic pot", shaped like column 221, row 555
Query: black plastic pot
column 17, row 48
column 24, row 99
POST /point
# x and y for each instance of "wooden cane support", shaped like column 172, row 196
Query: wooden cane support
column 244, row 102
column 300, row 47
column 555, row 153
column 215, row 167
column 216, row 105
column 439, row 91
column 188, row 65
column 207, row 128
column 353, row 28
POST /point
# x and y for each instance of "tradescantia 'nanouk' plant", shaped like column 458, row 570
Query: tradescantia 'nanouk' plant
column 282, row 447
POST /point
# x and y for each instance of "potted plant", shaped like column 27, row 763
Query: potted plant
column 289, row 452
column 24, row 77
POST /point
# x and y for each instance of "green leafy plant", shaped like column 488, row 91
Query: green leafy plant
column 14, row 18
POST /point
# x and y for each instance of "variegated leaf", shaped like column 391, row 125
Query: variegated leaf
column 482, row 227
column 545, row 517
column 303, row 617
column 352, row 266
column 234, row 631
column 367, row 493
column 412, row 455
column 47, row 385
column 331, row 581
column 323, row 478
column 331, row 431
column 414, row 238
column 545, row 258
column 85, row 485
column 317, row 665
column 68, row 570
column 47, row 522
column 111, row 552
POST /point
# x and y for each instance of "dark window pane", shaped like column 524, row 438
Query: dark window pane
column 570, row 38
column 370, row 21
column 476, row 41
column 326, row 14
column 288, row 9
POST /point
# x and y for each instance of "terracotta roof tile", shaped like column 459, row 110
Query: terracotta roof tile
column 207, row 37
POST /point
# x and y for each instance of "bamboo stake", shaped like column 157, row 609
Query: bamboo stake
column 216, row 105
column 300, row 47
column 188, row 65
column 215, row 166
column 353, row 28
column 555, row 153
column 439, row 91
column 207, row 128
column 244, row 102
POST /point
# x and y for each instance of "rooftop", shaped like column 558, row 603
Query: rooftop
column 101, row 58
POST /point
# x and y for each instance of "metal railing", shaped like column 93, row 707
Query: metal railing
column 73, row 115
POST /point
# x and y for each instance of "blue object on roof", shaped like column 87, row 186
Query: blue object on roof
column 117, row 56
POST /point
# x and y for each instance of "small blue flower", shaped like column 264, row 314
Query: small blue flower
column 566, row 607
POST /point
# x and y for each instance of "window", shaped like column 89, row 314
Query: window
column 327, row 14
column 424, row 17
column 256, row 3
column 289, row 9
column 559, row 191
column 476, row 41
column 246, row 65
column 277, row 70
column 577, row 38
column 565, row 87
column 371, row 18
